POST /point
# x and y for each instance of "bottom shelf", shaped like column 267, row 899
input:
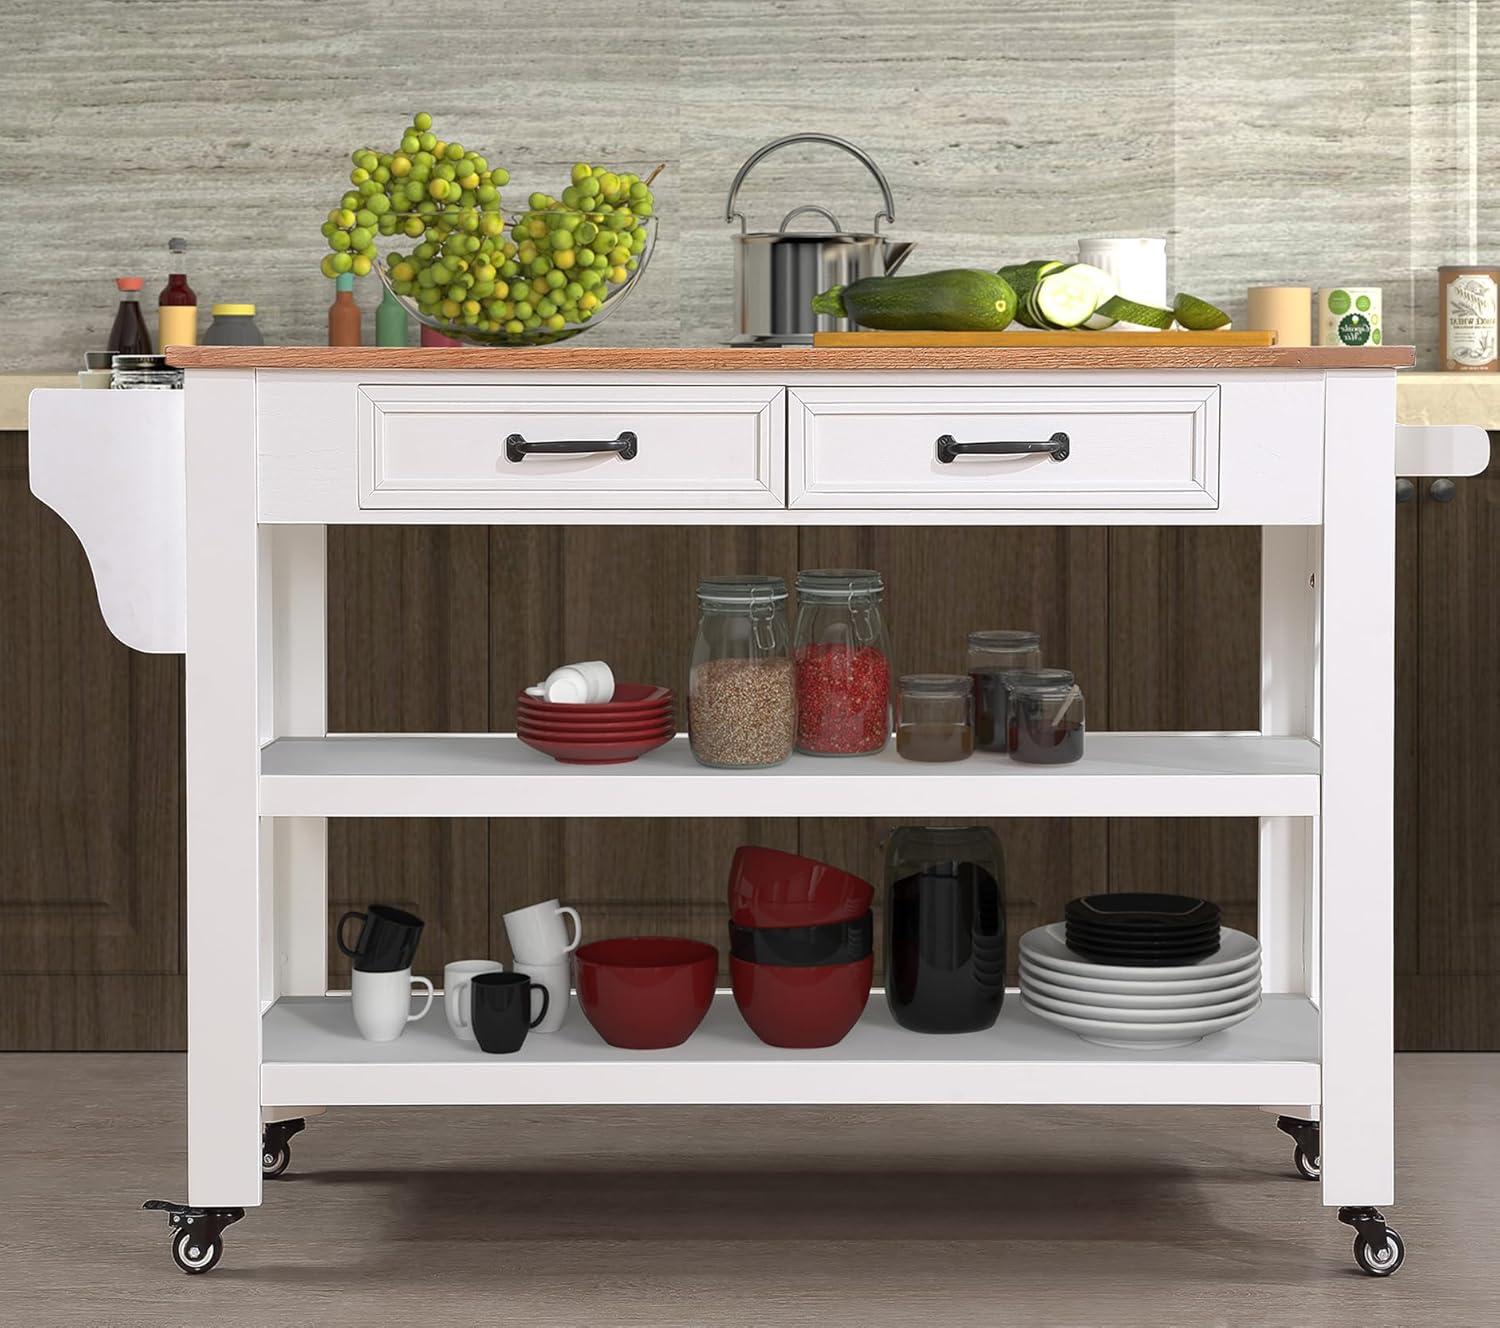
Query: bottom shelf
column 313, row 1054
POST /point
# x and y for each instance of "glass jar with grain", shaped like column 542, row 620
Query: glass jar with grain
column 742, row 691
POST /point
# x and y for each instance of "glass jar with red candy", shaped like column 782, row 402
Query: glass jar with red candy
column 843, row 659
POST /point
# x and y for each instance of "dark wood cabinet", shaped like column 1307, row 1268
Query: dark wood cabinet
column 435, row 628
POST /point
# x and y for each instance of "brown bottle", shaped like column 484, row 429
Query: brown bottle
column 343, row 313
column 129, row 335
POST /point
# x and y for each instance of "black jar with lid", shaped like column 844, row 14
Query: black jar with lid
column 944, row 928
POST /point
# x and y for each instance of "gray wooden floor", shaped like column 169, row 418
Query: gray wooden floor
column 739, row 1216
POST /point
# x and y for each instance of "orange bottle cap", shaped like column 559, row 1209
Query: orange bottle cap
column 129, row 283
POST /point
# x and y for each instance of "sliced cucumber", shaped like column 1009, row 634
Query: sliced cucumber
column 1069, row 297
column 1198, row 315
column 1142, row 315
column 1023, row 278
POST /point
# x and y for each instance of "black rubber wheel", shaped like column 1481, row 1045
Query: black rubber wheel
column 274, row 1164
column 194, row 1255
column 1381, row 1263
column 1307, row 1167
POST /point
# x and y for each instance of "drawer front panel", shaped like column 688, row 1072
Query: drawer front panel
column 1155, row 447
column 695, row 447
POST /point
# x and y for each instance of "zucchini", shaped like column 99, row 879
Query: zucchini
column 1142, row 315
column 955, row 300
column 1058, row 295
column 1023, row 277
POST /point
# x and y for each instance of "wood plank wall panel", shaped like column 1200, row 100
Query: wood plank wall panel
column 1184, row 653
column 91, row 822
column 408, row 641
column 1458, row 708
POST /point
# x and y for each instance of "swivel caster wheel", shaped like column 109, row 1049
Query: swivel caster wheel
column 1378, row 1248
column 1307, row 1167
column 276, row 1147
column 193, row 1254
column 197, row 1233
column 1309, row 1140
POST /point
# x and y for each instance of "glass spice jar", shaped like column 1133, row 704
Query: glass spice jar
column 843, row 659
column 742, row 699
column 1048, row 723
column 994, row 705
column 991, row 654
column 933, row 717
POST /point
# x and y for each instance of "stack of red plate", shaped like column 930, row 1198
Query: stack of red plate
column 639, row 718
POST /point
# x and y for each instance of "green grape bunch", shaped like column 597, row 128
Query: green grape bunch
column 474, row 269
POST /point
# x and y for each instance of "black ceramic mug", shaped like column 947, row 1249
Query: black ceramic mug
column 387, row 940
column 500, row 1009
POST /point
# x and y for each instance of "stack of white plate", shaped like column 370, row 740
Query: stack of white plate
column 1144, row 1008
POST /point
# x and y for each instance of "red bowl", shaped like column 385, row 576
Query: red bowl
column 629, row 697
column 769, row 888
column 801, row 1007
column 645, row 992
column 594, row 751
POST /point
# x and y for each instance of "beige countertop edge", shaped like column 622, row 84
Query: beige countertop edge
column 1422, row 398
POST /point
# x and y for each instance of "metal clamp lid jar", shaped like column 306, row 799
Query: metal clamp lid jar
column 742, row 698
column 777, row 273
column 843, row 663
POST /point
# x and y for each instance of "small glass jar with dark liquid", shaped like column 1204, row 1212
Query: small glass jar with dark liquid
column 991, row 655
column 944, row 928
column 1048, row 723
column 933, row 717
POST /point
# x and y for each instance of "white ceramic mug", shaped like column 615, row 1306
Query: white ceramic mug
column 538, row 934
column 557, row 979
column 591, row 682
column 456, row 995
column 382, row 1003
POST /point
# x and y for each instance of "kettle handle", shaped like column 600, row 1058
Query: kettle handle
column 889, row 213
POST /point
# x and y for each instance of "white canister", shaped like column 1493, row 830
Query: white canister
column 1349, row 316
column 1139, row 267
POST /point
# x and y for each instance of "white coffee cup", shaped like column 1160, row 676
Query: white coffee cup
column 590, row 683
column 456, row 994
column 382, row 1003
column 538, row 934
column 557, row 978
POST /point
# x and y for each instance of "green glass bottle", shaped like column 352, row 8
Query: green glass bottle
column 390, row 321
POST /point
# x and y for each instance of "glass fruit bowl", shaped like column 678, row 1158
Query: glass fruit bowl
column 518, row 278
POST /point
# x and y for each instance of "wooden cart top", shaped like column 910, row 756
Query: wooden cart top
column 810, row 359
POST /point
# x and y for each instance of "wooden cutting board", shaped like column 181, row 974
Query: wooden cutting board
column 1044, row 339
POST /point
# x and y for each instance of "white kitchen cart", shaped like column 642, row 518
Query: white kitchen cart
column 281, row 443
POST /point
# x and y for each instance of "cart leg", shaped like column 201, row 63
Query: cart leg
column 227, row 720
column 1356, row 841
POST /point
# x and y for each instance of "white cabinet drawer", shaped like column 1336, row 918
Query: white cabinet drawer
column 1125, row 447
column 446, row 446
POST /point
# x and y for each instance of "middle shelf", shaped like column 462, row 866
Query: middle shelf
column 496, row 775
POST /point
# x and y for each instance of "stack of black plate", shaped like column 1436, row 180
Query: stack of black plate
column 1143, row 930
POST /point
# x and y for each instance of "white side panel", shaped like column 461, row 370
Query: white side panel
column 223, row 837
column 1358, row 953
column 1441, row 449
column 111, row 465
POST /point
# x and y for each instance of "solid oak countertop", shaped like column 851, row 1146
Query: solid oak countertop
column 724, row 359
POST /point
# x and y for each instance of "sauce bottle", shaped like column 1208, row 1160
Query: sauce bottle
column 343, row 313
column 390, row 321
column 177, row 306
column 129, row 335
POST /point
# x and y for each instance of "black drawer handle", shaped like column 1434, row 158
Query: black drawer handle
column 518, row 449
column 949, row 448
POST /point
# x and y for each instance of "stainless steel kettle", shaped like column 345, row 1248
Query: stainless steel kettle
column 777, row 273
